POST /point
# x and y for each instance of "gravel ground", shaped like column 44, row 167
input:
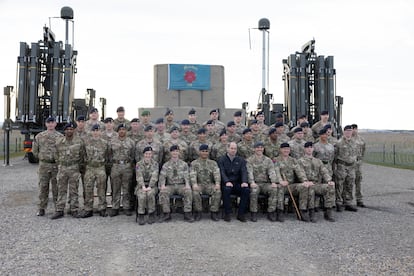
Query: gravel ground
column 377, row 240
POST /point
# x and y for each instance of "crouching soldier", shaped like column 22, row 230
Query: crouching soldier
column 147, row 178
column 317, row 173
column 205, row 179
column 174, row 179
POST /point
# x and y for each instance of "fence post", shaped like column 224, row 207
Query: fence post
column 393, row 151
column 15, row 146
column 383, row 153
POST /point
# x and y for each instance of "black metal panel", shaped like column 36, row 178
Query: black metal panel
column 56, row 79
column 34, row 81
column 22, row 83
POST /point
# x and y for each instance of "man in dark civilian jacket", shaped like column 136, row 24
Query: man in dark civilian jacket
column 234, row 181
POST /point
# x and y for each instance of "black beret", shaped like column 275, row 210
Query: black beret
column 185, row 122
column 272, row 130
column 147, row 149
column 258, row 144
column 50, row 119
column 347, row 127
column 253, row 122
column 80, row 118
column 148, row 128
column 93, row 110
column 201, row 130
column 135, row 120
column 209, row 122
column 308, row 144
column 325, row 112
column 303, row 116
column 174, row 147
column 96, row 127
column 279, row 124
column 222, row 132
column 120, row 109
column 159, row 121
column 237, row 114
column 328, row 126
column 246, row 130
column 121, row 126
column 231, row 123
column 203, row 147
column 279, row 115
column 214, row 110
column 260, row 113
column 323, row 131
column 174, row 128
column 304, row 124
column 192, row 111
column 298, row 129
column 69, row 125
column 354, row 126
column 169, row 112
column 108, row 120
column 284, row 145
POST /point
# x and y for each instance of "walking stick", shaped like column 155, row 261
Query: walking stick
column 293, row 199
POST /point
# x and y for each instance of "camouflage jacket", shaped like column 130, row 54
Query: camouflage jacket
column 147, row 173
column 346, row 151
column 188, row 137
column 297, row 148
column 174, row 172
column 44, row 146
column 245, row 149
column 136, row 136
column 360, row 142
column 271, row 148
column 326, row 153
column 204, row 172
column 157, row 150
column 70, row 152
column 290, row 170
column 122, row 150
column 195, row 145
column 261, row 170
column 181, row 144
column 96, row 151
column 314, row 169
column 218, row 150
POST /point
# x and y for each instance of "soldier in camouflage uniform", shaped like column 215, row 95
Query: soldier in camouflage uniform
column 195, row 145
column 321, row 180
column 281, row 135
column 324, row 151
column 96, row 157
column 212, row 135
column 147, row 178
column 157, row 150
column 263, row 179
column 146, row 119
column 205, row 179
column 302, row 119
column 346, row 154
column 136, row 133
column 186, row 133
column 175, row 140
column 360, row 142
column 260, row 117
column 194, row 125
column 93, row 120
column 169, row 120
column 214, row 120
column 237, row 118
column 297, row 143
column 331, row 139
column 44, row 148
column 272, row 145
column 108, row 135
column 120, row 119
column 160, row 133
column 245, row 147
column 307, row 132
column 290, row 170
column 232, row 135
column 219, row 149
column 280, row 119
column 70, row 156
column 320, row 124
column 122, row 152
column 258, row 135
column 174, row 179
column 82, row 133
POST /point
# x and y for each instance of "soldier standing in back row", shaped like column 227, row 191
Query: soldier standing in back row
column 120, row 118
column 44, row 148
column 360, row 142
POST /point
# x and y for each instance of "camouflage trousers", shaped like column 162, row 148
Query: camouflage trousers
column 344, row 184
column 274, row 201
column 146, row 200
column 207, row 189
column 121, row 179
column 178, row 189
column 68, row 177
column 358, row 180
column 306, row 195
column 95, row 175
column 47, row 177
column 328, row 193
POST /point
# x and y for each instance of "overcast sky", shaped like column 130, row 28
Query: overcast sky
column 119, row 42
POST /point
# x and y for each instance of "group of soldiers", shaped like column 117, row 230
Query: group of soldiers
column 148, row 162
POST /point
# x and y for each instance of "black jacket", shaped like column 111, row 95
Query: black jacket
column 233, row 171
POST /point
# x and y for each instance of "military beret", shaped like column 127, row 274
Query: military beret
column 69, row 125
column 201, row 130
column 174, row 128
column 169, row 112
column 308, row 144
column 80, row 118
column 279, row 115
column 253, row 122
column 203, row 147
column 323, row 131
column 298, row 129
column 209, row 122
column 258, row 144
column 214, row 110
column 192, row 111
column 246, row 130
column 108, row 120
column 174, row 147
column 120, row 109
column 95, row 127
column 93, row 110
column 354, row 126
column 231, row 123
column 237, row 114
column 121, row 126
column 135, row 120
column 222, row 132
column 303, row 116
column 145, row 113
column 304, row 124
column 348, row 127
column 147, row 149
column 50, row 119
column 185, row 122
column 260, row 113
column 148, row 128
column 279, row 124
column 159, row 121
column 325, row 112
column 284, row 145
column 272, row 130
column 328, row 126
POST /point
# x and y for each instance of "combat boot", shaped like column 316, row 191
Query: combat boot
column 279, row 215
column 75, row 214
column 328, row 215
column 271, row 216
column 188, row 217
column 41, row 213
column 165, row 217
column 114, row 213
column 214, row 216
column 304, row 215
column 253, row 216
column 361, row 204
column 197, row 216
column 227, row 218
column 57, row 215
column 141, row 219
column 128, row 212
column 241, row 217
column 339, row 207
column 350, row 208
column 312, row 217
column 103, row 213
column 86, row 214
column 151, row 218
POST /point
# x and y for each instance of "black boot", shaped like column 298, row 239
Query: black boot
column 57, row 215
column 41, row 213
column 227, row 217
column 214, row 216
column 141, row 219
column 86, row 214
column 114, row 213
column 103, row 213
column 279, row 215
column 361, row 204
column 328, row 215
column 151, row 218
column 165, row 217
column 241, row 217
column 271, row 216
column 304, row 215
column 339, row 207
column 350, row 208
column 253, row 216
column 128, row 212
column 312, row 215
column 188, row 217
column 197, row 216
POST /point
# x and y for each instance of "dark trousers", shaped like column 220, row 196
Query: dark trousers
column 243, row 193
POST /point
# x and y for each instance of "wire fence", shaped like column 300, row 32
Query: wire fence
column 393, row 154
column 15, row 145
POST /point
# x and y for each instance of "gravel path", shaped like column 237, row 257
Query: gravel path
column 378, row 240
